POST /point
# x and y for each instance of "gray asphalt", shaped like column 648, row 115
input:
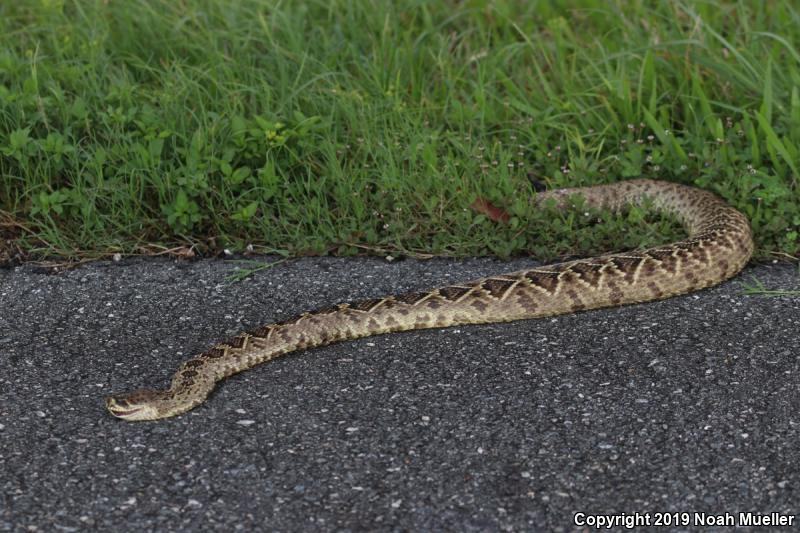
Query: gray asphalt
column 684, row 405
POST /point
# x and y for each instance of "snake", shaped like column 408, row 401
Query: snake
column 718, row 244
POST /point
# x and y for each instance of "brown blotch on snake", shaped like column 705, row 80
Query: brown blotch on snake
column 718, row 246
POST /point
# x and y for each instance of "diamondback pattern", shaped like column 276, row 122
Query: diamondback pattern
column 718, row 245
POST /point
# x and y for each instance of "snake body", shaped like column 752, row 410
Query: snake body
column 718, row 245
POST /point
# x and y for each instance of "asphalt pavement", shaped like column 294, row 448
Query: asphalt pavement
column 688, row 405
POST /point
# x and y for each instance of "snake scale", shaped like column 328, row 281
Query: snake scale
column 718, row 245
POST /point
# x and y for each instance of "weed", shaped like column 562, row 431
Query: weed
column 333, row 127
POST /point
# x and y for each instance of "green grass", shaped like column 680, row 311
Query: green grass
column 343, row 127
column 757, row 288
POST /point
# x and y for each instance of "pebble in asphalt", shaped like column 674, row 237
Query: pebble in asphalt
column 684, row 405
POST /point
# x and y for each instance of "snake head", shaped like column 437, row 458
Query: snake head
column 139, row 405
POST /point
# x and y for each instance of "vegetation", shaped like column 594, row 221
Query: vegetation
column 332, row 126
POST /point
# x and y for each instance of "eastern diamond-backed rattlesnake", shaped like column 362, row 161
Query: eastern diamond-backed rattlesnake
column 718, row 246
